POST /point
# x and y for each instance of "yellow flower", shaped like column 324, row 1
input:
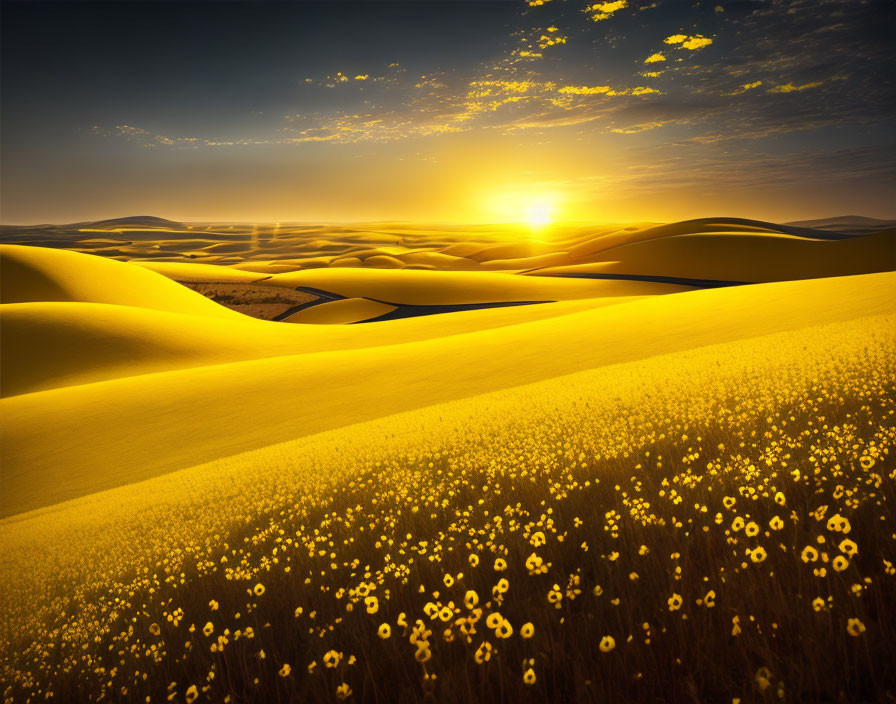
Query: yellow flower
column 849, row 547
column 535, row 565
column 493, row 620
column 527, row 630
column 763, row 678
column 809, row 554
column 504, row 629
column 154, row 629
column 471, row 599
column 448, row 581
column 751, row 529
column 758, row 555
column 710, row 599
column 372, row 604
column 780, row 499
column 483, row 652
column 537, row 539
column 258, row 589
column 607, row 643
column 343, row 691
column 674, row 602
column 529, row 676
column 384, row 631
column 818, row 603
column 839, row 524
column 500, row 564
column 855, row 627
column 208, row 628
column 840, row 563
column 776, row 523
column 555, row 595
column 423, row 653
column 474, row 560
column 332, row 658
column 213, row 605
column 285, row 670
column 191, row 694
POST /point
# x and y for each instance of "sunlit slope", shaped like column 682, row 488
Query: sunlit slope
column 186, row 271
column 51, row 345
column 72, row 441
column 412, row 287
column 33, row 274
column 345, row 310
column 739, row 257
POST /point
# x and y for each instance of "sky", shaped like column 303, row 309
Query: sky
column 462, row 111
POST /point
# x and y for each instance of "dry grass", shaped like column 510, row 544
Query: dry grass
column 258, row 301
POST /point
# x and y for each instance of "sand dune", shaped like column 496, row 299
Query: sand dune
column 853, row 224
column 743, row 258
column 102, row 342
column 31, row 274
column 444, row 287
column 67, row 442
column 274, row 249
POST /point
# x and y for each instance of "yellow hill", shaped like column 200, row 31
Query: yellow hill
column 346, row 310
column 67, row 442
column 739, row 256
column 191, row 271
column 411, row 287
column 32, row 274
column 51, row 345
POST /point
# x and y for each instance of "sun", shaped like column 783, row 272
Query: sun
column 539, row 214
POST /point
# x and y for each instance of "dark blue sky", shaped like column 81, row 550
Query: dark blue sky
column 447, row 110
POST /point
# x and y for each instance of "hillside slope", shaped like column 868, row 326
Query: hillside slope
column 32, row 274
column 68, row 442
column 102, row 341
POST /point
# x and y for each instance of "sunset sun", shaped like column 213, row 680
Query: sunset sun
column 539, row 214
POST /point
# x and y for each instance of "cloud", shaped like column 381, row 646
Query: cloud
column 697, row 41
column 603, row 10
column 552, row 38
column 579, row 83
column 791, row 88
column 694, row 43
column 643, row 127
column 745, row 87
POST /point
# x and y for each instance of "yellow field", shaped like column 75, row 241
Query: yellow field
column 623, row 501
column 571, row 498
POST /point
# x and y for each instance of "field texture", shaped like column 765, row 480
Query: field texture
column 617, row 489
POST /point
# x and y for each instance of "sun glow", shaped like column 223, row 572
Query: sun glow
column 539, row 214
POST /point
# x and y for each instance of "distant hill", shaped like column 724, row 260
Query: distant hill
column 853, row 224
column 134, row 221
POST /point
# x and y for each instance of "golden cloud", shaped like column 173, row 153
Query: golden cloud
column 790, row 87
column 603, row 10
column 697, row 41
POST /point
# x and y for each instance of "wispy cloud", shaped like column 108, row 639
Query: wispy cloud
column 729, row 78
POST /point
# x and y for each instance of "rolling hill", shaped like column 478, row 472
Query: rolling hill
column 66, row 442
